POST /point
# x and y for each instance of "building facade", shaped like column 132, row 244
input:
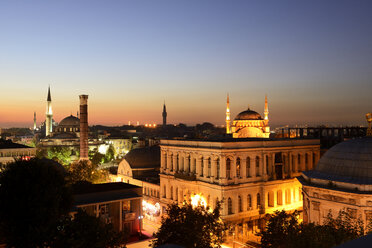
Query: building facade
column 253, row 177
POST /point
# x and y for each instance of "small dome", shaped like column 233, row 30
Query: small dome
column 248, row 115
column 70, row 121
column 351, row 160
column 146, row 157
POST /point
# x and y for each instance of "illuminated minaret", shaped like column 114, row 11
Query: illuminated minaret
column 266, row 112
column 164, row 115
column 34, row 121
column 228, row 130
column 48, row 115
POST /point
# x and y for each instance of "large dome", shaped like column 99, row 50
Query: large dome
column 70, row 121
column 248, row 115
column 349, row 161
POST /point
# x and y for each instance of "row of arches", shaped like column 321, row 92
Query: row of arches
column 150, row 192
column 276, row 165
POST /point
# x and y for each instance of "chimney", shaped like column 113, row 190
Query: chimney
column 83, row 127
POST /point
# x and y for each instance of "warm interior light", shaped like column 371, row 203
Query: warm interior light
column 198, row 200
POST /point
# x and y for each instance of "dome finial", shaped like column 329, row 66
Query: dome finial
column 369, row 119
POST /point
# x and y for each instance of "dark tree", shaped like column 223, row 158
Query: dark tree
column 86, row 231
column 85, row 170
column 284, row 230
column 190, row 226
column 279, row 228
column 33, row 197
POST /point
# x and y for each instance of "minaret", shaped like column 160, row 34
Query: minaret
column 49, row 115
column 228, row 130
column 34, row 121
column 164, row 115
column 266, row 112
column 84, row 127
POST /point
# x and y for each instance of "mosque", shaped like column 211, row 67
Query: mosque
column 66, row 133
column 249, row 123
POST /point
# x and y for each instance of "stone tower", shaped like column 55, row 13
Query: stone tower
column 164, row 115
column 228, row 129
column 83, row 127
column 49, row 115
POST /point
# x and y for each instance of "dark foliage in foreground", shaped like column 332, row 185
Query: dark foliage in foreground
column 284, row 231
column 191, row 227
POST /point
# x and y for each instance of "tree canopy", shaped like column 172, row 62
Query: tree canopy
column 190, row 226
column 284, row 230
column 85, row 170
column 33, row 196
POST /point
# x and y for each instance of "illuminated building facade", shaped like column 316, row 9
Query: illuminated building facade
column 253, row 177
column 250, row 124
column 342, row 180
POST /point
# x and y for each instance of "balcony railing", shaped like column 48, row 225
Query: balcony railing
column 185, row 176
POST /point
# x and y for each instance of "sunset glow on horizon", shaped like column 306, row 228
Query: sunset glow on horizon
column 313, row 60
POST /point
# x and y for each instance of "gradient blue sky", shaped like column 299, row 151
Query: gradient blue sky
column 312, row 58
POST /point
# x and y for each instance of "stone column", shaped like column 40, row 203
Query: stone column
column 243, row 166
column 84, row 129
column 223, row 168
column 198, row 166
column 174, row 162
column 186, row 163
column 192, row 164
column 205, row 167
column 169, row 163
column 214, row 168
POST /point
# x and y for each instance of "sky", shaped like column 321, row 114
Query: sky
column 313, row 59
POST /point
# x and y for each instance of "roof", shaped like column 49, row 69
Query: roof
column 86, row 193
column 8, row 144
column 348, row 161
column 248, row 115
column 49, row 99
column 70, row 121
column 146, row 157
column 87, row 188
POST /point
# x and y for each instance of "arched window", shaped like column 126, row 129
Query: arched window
column 248, row 166
column 258, row 200
column 171, row 193
column 299, row 167
column 240, row 204
column 165, row 191
column 209, row 167
column 293, row 164
column 267, row 164
column 218, row 168
column 171, row 162
column 249, row 202
column 176, row 196
column 238, row 167
column 165, row 160
column 202, row 167
column 257, row 166
column 229, row 206
column 228, row 168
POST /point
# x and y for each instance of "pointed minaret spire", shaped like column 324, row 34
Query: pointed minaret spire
column 228, row 130
column 49, row 99
column 266, row 112
column 164, row 114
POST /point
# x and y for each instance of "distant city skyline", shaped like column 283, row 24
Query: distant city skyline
column 313, row 60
